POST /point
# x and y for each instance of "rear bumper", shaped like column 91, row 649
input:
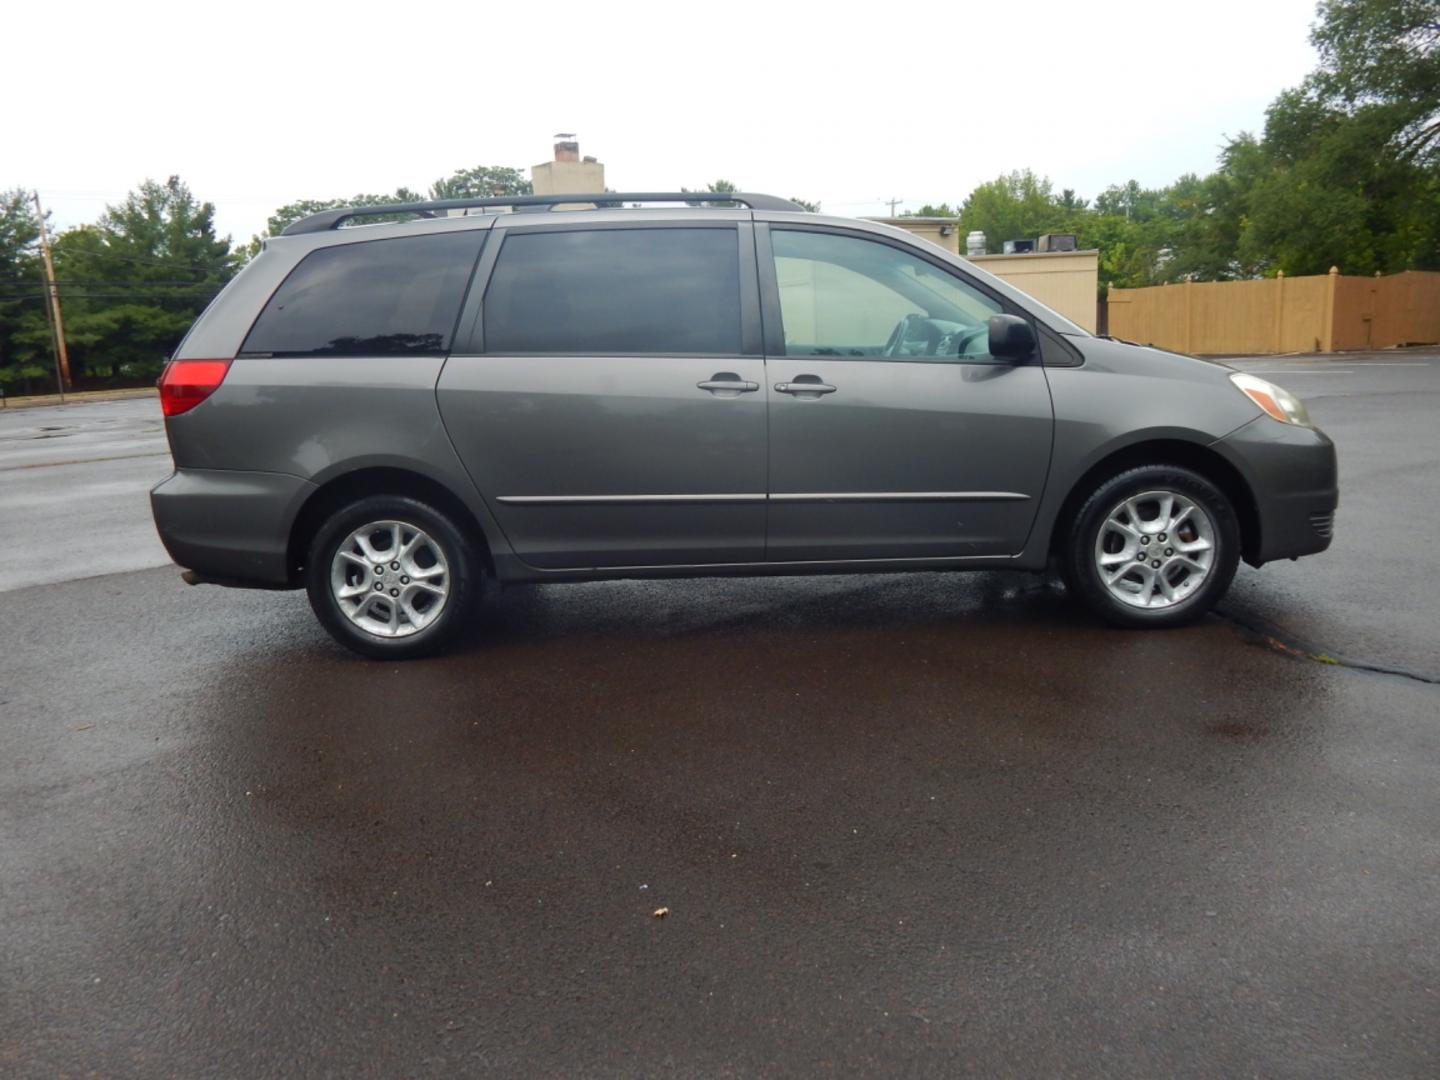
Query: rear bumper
column 230, row 526
column 1292, row 473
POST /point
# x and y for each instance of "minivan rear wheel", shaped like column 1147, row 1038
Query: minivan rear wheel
column 1155, row 546
column 391, row 577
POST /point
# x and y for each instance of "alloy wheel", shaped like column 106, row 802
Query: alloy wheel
column 1155, row 549
column 390, row 579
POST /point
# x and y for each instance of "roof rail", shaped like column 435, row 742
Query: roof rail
column 332, row 219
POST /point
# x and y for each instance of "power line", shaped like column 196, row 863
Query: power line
column 108, row 282
column 25, row 285
column 110, row 254
column 71, row 294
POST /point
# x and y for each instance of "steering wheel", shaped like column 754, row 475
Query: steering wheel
column 964, row 340
column 898, row 335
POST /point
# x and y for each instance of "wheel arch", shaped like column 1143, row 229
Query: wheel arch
column 378, row 480
column 1190, row 455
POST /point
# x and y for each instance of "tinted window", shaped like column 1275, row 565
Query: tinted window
column 377, row 298
column 630, row 291
column 843, row 296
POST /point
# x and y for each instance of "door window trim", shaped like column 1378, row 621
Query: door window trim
column 770, row 295
column 470, row 339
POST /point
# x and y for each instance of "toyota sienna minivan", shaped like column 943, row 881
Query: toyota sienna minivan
column 387, row 414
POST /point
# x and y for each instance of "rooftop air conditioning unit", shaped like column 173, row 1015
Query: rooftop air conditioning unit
column 1056, row 241
column 1019, row 247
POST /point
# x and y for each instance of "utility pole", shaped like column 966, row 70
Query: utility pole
column 892, row 203
column 52, row 292
column 55, row 352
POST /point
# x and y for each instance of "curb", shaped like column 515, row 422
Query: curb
column 40, row 401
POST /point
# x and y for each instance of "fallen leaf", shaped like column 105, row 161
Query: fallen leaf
column 661, row 912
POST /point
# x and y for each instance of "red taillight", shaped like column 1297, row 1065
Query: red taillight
column 186, row 383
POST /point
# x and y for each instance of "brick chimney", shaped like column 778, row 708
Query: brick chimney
column 567, row 150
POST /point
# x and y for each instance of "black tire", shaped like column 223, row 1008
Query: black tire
column 1079, row 558
column 447, row 547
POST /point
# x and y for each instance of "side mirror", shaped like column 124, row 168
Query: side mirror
column 1011, row 336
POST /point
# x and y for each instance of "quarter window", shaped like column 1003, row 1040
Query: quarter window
column 375, row 298
column 628, row 291
column 841, row 296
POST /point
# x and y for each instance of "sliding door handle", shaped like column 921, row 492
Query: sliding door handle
column 815, row 388
column 727, row 382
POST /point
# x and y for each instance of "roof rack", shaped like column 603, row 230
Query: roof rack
column 332, row 219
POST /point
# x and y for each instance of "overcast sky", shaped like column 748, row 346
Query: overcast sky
column 256, row 105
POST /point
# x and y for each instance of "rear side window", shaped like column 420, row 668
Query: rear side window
column 628, row 291
column 376, row 298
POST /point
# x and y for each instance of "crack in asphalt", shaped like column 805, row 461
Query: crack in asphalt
column 1276, row 639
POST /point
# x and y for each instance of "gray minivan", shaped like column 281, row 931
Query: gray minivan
column 389, row 413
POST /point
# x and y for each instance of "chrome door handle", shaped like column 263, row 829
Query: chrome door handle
column 817, row 388
column 723, row 380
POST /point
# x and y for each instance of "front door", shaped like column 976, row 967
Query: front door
column 893, row 432
column 610, row 408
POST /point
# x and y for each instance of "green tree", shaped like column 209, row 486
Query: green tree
column 1332, row 184
column 1243, row 162
column 1120, row 200
column 1175, row 233
column 1126, row 258
column 1016, row 205
column 137, row 279
column 943, row 210
column 24, row 333
column 718, row 187
column 1383, row 54
column 482, row 182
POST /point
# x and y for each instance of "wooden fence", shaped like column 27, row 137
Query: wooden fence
column 1324, row 313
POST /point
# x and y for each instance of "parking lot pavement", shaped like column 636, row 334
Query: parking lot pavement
column 909, row 824
column 73, row 481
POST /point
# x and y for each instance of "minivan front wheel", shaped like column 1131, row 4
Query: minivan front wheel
column 1155, row 546
column 391, row 577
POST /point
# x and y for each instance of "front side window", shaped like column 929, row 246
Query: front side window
column 841, row 296
column 631, row 291
column 375, row 298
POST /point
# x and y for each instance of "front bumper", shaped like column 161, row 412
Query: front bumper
column 1292, row 473
column 228, row 525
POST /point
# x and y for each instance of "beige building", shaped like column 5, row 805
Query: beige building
column 568, row 172
column 943, row 232
column 1067, row 281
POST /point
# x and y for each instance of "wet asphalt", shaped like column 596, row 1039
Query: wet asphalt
column 915, row 824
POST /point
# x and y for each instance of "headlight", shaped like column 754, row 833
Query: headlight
column 1273, row 400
